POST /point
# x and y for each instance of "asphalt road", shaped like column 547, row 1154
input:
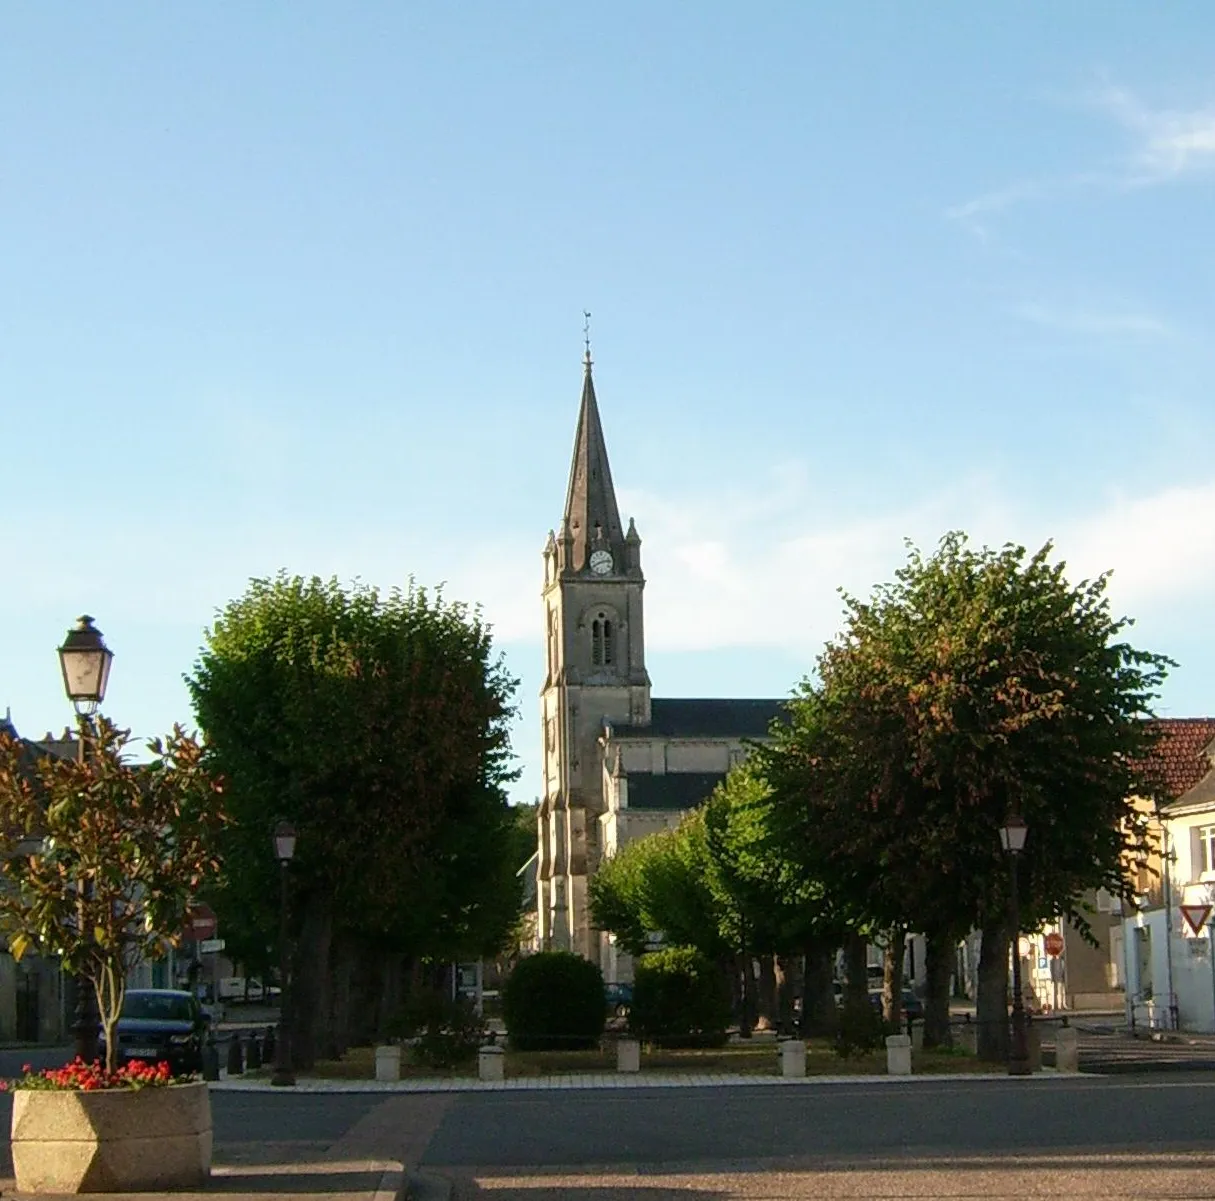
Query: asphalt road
column 851, row 1122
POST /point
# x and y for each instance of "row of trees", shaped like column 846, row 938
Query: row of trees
column 979, row 683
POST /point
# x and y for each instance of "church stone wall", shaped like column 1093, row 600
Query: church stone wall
column 661, row 755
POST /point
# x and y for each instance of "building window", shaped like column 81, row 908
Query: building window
column 1206, row 848
column 603, row 642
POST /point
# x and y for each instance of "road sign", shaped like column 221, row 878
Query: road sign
column 201, row 923
column 1195, row 916
column 1054, row 943
column 210, row 946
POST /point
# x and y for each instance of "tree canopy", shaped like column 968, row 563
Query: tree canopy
column 377, row 724
column 978, row 684
column 103, row 857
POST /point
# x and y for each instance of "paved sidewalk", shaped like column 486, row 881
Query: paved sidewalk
column 1012, row 1178
column 370, row 1162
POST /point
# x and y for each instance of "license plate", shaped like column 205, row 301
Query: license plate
column 141, row 1052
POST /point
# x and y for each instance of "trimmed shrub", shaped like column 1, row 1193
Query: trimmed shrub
column 860, row 1031
column 679, row 1000
column 554, row 1001
column 445, row 1033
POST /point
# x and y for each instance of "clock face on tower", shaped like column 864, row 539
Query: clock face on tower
column 601, row 562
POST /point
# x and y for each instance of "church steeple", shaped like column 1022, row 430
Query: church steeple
column 591, row 513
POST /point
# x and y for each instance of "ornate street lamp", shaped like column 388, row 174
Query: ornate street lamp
column 1012, row 839
column 85, row 662
column 284, row 852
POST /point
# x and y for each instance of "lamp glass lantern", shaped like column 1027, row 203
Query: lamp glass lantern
column 85, row 660
column 1012, row 834
column 284, row 842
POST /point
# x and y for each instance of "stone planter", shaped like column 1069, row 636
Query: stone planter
column 628, row 1055
column 793, row 1058
column 898, row 1055
column 112, row 1140
column 387, row 1063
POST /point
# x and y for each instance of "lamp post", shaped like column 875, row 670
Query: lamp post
column 284, row 851
column 1012, row 838
column 85, row 662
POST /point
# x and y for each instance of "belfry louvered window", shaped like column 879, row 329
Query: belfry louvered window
column 603, row 642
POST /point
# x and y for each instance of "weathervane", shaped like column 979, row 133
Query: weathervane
column 586, row 332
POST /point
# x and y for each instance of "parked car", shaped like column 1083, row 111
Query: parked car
column 160, row 1023
column 619, row 998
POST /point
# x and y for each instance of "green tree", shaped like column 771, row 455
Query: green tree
column 103, row 857
column 978, row 683
column 659, row 885
column 376, row 723
column 768, row 904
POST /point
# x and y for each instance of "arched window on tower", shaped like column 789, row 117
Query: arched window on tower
column 603, row 641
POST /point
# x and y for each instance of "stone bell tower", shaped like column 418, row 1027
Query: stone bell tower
column 595, row 672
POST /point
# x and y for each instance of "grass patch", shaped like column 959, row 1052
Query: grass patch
column 735, row 1059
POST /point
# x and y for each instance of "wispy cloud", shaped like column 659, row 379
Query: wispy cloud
column 1166, row 145
column 971, row 213
column 1094, row 322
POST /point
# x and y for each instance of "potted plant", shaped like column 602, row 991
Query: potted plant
column 103, row 858
column 83, row 1128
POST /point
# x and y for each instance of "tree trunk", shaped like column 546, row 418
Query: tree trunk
column 856, row 971
column 745, row 971
column 392, row 992
column 310, row 969
column 939, row 957
column 819, row 1014
column 766, row 994
column 786, row 989
column 892, row 978
column 345, row 955
column 992, row 1005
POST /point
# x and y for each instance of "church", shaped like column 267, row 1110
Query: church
column 618, row 763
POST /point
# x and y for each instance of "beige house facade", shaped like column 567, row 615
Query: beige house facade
column 618, row 762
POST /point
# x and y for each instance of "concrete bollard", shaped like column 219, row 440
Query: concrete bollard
column 792, row 1057
column 628, row 1055
column 916, row 1030
column 388, row 1063
column 968, row 1037
column 236, row 1056
column 1067, row 1049
column 491, row 1063
column 898, row 1055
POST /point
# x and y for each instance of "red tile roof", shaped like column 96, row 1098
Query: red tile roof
column 1182, row 743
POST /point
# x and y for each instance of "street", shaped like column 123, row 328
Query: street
column 1120, row 1136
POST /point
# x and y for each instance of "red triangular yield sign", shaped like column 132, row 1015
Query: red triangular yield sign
column 1195, row 916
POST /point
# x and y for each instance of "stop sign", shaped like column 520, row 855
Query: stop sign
column 1054, row 943
column 201, row 923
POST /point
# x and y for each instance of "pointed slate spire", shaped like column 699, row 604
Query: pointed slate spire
column 590, row 501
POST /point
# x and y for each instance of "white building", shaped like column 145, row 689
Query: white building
column 1170, row 969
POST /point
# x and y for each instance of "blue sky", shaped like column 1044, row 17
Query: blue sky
column 301, row 286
